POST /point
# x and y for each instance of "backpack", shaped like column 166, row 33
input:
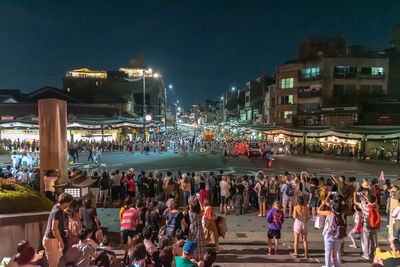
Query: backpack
column 345, row 190
column 172, row 225
column 290, row 190
column 263, row 191
column 337, row 227
column 374, row 218
column 221, row 225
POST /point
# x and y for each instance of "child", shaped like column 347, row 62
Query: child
column 275, row 219
column 355, row 233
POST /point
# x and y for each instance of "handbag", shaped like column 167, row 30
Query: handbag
column 319, row 222
column 397, row 225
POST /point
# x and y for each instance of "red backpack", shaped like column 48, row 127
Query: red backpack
column 374, row 217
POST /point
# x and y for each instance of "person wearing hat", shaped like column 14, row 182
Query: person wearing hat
column 186, row 259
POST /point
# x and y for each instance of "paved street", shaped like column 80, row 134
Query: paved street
column 244, row 165
column 245, row 242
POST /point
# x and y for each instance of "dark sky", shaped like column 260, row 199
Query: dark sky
column 202, row 47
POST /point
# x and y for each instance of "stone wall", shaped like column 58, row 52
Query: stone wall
column 16, row 227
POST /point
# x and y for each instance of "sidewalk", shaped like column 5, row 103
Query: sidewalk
column 246, row 242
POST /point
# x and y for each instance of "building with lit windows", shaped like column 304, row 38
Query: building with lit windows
column 329, row 83
column 137, row 89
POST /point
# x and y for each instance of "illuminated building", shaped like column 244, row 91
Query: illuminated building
column 124, row 87
column 328, row 83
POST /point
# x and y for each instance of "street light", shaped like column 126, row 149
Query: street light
column 233, row 88
column 170, row 86
column 148, row 117
column 222, row 98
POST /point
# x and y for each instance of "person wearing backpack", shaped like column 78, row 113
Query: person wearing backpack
column 287, row 190
column 314, row 196
column 261, row 189
column 174, row 220
column 334, row 231
column 371, row 225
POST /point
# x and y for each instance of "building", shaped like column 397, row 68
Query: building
column 135, row 90
column 86, row 121
column 328, row 83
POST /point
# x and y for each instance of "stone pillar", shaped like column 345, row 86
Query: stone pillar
column 53, row 138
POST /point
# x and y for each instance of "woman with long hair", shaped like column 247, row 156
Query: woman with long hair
column 211, row 235
column 202, row 186
column 301, row 215
column 196, row 228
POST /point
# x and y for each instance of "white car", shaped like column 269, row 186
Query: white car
column 254, row 149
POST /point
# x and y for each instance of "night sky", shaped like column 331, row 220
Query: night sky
column 203, row 48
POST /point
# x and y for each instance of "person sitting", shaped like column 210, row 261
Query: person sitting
column 388, row 258
column 87, row 249
column 209, row 258
column 186, row 259
column 107, row 250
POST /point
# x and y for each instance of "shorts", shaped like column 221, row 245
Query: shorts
column 286, row 201
column 126, row 234
column 224, row 200
column 274, row 234
column 314, row 203
column 262, row 199
column 300, row 227
column 272, row 198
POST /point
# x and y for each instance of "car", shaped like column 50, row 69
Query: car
column 254, row 149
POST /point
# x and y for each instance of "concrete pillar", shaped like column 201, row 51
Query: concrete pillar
column 53, row 138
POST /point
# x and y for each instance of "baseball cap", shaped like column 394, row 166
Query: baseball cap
column 189, row 247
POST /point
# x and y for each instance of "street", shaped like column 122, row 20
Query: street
column 199, row 162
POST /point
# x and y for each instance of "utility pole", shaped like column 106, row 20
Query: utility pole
column 144, row 94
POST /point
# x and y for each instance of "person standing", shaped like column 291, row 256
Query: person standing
column 287, row 190
column 224, row 187
column 334, row 231
column 116, row 189
column 104, row 185
column 196, row 228
column 55, row 238
column 89, row 217
column 301, row 215
column 202, row 186
column 49, row 180
column 369, row 235
column 261, row 189
column 275, row 219
column 239, row 197
column 95, row 186
column 210, row 187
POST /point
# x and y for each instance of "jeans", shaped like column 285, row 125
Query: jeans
column 369, row 241
column 334, row 244
column 239, row 204
column 186, row 195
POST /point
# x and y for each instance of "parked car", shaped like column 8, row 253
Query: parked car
column 254, row 149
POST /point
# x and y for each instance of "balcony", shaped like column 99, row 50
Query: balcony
column 309, row 94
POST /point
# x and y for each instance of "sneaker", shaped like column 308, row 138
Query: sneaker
column 313, row 219
column 259, row 215
column 353, row 246
column 268, row 252
column 365, row 257
column 293, row 255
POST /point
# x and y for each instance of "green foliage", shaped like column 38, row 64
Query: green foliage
column 3, row 151
column 16, row 198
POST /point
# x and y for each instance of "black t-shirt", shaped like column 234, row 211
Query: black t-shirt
column 104, row 183
column 240, row 189
column 88, row 217
column 95, row 184
column 313, row 192
column 202, row 185
column 391, row 262
column 55, row 214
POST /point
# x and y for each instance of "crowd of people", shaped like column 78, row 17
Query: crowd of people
column 169, row 220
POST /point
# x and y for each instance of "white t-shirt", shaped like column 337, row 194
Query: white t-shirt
column 396, row 214
column 224, row 188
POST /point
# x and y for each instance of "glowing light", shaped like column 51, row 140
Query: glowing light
column 233, row 88
column 150, row 69
column 156, row 75
column 148, row 118
column 222, row 98
column 170, row 86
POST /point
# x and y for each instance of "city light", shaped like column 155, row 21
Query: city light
column 222, row 98
column 150, row 69
column 170, row 86
column 233, row 88
column 179, row 108
column 177, row 101
column 148, row 118
column 156, row 75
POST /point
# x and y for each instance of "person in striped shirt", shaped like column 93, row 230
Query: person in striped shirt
column 129, row 222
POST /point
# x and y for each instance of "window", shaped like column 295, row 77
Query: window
column 344, row 71
column 371, row 90
column 310, row 73
column 340, row 90
column 287, row 114
column 287, row 83
column 287, row 99
column 376, row 71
